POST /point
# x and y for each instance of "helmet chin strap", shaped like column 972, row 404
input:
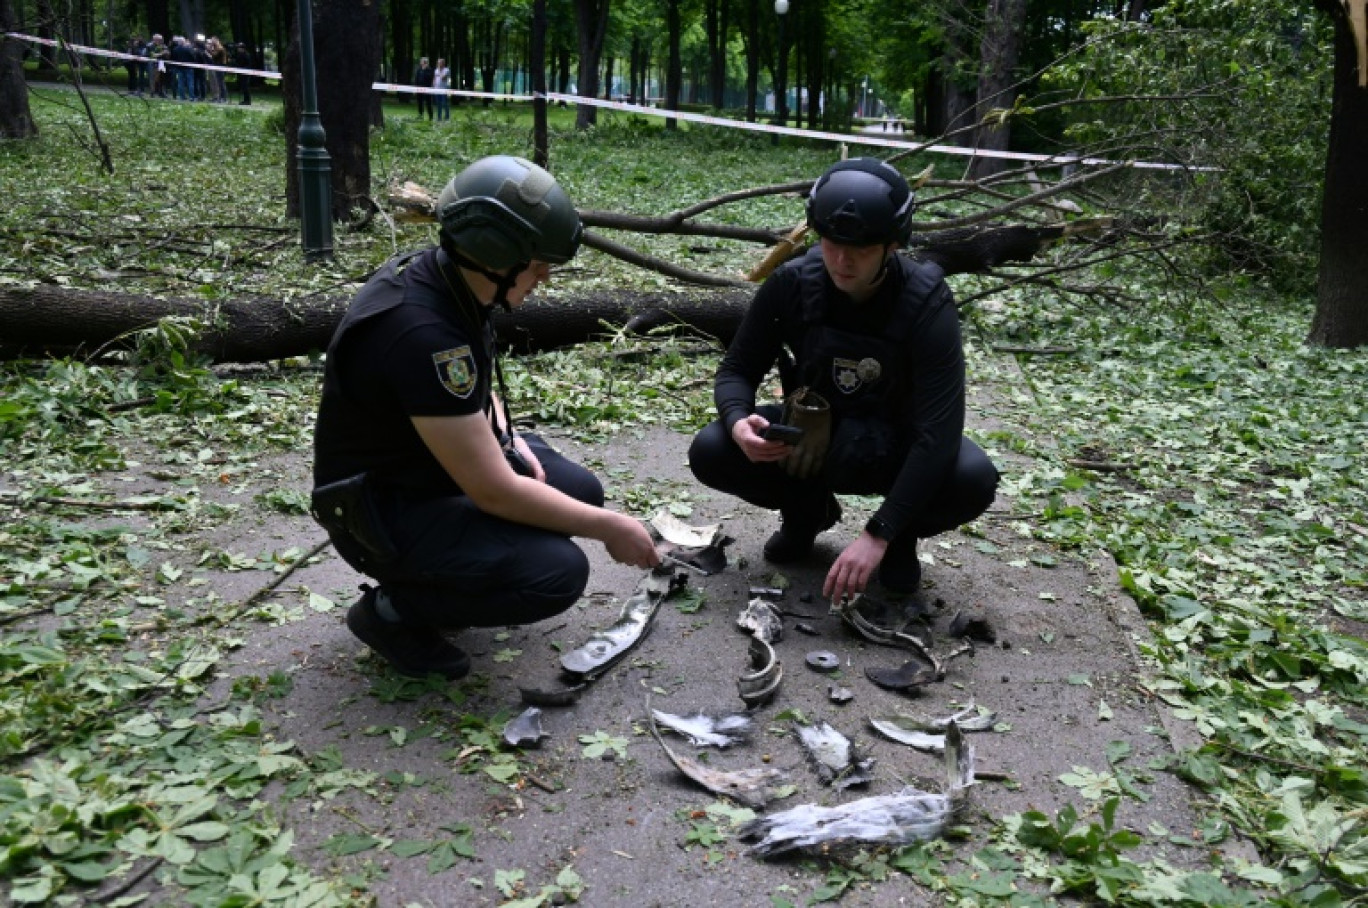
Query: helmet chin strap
column 883, row 267
column 502, row 282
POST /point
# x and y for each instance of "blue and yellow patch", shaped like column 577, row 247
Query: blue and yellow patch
column 456, row 370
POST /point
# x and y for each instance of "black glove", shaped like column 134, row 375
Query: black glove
column 810, row 412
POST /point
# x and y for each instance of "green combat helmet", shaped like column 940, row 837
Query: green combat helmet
column 502, row 212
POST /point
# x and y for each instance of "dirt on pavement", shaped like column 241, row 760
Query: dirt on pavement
column 1062, row 675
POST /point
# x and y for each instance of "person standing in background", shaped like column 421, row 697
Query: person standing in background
column 422, row 78
column 441, row 80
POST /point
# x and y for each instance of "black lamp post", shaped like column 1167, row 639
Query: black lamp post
column 315, row 167
column 781, row 8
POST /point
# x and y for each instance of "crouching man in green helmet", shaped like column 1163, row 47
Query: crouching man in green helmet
column 419, row 477
column 868, row 348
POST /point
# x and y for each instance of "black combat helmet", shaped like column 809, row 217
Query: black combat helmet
column 861, row 202
column 503, row 212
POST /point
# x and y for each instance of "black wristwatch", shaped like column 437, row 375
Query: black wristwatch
column 878, row 529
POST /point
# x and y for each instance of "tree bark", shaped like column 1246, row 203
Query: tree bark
column 347, row 52
column 674, row 69
column 53, row 321
column 957, row 99
column 16, row 120
column 999, row 51
column 752, row 42
column 537, row 63
column 1341, row 318
column 814, row 38
column 591, row 17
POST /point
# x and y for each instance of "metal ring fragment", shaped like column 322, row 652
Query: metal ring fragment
column 823, row 660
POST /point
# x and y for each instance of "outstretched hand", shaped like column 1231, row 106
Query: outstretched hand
column 854, row 567
column 630, row 543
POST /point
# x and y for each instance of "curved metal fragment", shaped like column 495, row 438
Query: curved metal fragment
column 525, row 729
column 889, row 637
column 766, row 674
column 606, row 647
column 971, row 718
column 704, row 730
column 708, row 560
column 908, row 675
column 673, row 530
column 895, row 729
column 840, row 695
column 701, row 548
column 565, row 696
column 753, row 788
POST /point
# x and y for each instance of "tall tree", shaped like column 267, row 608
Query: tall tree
column 159, row 20
column 591, row 19
column 674, row 69
column 537, row 65
column 999, row 50
column 16, row 121
column 716, row 25
column 346, row 54
column 1341, row 318
column 751, row 39
column 815, row 52
column 489, row 48
column 401, row 38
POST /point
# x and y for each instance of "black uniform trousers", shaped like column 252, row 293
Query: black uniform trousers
column 460, row 567
column 864, row 458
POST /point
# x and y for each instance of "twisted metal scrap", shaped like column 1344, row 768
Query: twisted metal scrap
column 898, row 819
column 606, row 648
column 753, row 788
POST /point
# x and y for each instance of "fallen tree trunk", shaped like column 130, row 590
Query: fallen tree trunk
column 56, row 321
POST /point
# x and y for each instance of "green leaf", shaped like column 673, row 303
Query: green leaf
column 209, row 831
column 85, row 871
column 31, row 890
column 343, row 844
column 408, row 848
column 503, row 772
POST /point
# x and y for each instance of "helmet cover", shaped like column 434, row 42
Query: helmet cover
column 504, row 212
column 861, row 202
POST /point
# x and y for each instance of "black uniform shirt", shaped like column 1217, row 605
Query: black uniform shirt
column 929, row 410
column 429, row 355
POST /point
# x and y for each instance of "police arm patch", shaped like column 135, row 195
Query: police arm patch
column 456, row 370
column 846, row 374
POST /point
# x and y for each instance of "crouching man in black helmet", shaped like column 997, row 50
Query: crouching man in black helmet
column 868, row 348
column 419, row 478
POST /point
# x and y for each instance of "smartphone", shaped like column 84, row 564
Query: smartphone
column 789, row 435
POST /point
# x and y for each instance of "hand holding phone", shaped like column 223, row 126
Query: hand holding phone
column 789, row 435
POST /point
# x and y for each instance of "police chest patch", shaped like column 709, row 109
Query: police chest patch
column 456, row 370
column 846, row 374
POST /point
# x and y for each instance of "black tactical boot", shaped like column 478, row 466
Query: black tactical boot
column 797, row 532
column 414, row 652
column 900, row 571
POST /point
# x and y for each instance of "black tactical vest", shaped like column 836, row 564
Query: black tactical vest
column 858, row 372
